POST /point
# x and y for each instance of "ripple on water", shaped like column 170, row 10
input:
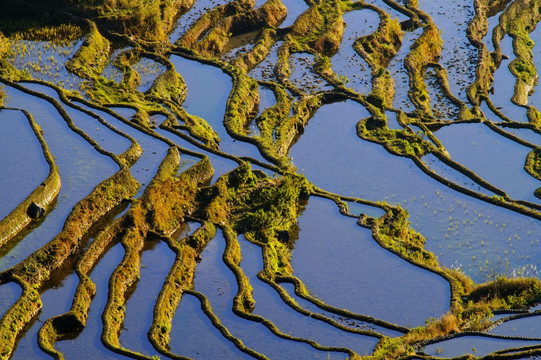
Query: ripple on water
column 25, row 168
column 341, row 264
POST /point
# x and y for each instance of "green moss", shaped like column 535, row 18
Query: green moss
column 399, row 142
column 382, row 45
column 382, row 93
column 426, row 49
column 251, row 59
column 319, row 29
column 169, row 86
column 90, row 59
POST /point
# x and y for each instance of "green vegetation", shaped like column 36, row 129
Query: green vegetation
column 244, row 201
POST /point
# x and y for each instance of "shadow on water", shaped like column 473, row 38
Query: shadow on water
column 25, row 168
column 271, row 306
column 56, row 300
column 80, row 166
column 218, row 283
column 341, row 264
column 89, row 341
column 156, row 261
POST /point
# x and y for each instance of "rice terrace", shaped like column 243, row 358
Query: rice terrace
column 270, row 179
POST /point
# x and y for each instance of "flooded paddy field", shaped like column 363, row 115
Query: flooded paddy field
column 270, row 180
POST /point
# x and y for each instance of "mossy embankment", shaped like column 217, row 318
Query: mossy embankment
column 518, row 20
column 34, row 271
column 245, row 201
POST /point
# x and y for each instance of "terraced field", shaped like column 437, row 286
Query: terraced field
column 272, row 179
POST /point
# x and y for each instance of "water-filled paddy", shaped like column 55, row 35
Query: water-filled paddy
column 270, row 305
column 156, row 261
column 458, row 55
column 217, row 282
column 81, row 168
column 290, row 213
column 332, row 247
column 462, row 231
column 294, row 9
column 346, row 62
column 526, row 326
column 56, row 300
column 89, row 341
column 26, row 168
column 498, row 160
